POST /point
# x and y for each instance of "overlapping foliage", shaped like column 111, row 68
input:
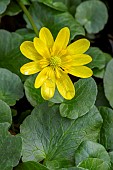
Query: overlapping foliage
column 58, row 134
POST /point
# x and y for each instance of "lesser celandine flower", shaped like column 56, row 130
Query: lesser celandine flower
column 54, row 60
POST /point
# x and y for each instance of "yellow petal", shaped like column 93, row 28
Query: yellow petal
column 80, row 71
column 65, row 86
column 48, row 89
column 41, row 47
column 46, row 73
column 30, row 68
column 61, row 41
column 46, row 36
column 42, row 76
column 27, row 48
column 44, row 63
column 78, row 47
column 81, row 59
column 75, row 60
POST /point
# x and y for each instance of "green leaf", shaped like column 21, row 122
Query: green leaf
column 61, row 5
column 10, row 55
column 10, row 148
column 54, row 20
column 111, row 158
column 27, row 34
column 65, row 19
column 101, row 99
column 57, row 98
column 8, row 41
column 13, row 62
column 30, row 165
column 3, row 5
column 57, row 164
column 33, row 95
column 108, row 82
column 37, row 166
column 5, row 113
column 99, row 61
column 94, row 164
column 72, row 5
column 98, row 58
column 86, row 92
column 108, row 57
column 99, row 73
column 89, row 149
column 93, row 15
column 26, row 2
column 11, row 87
column 73, row 168
column 47, row 135
column 12, row 9
column 106, row 135
column 55, row 4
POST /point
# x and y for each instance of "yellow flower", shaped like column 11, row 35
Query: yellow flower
column 54, row 60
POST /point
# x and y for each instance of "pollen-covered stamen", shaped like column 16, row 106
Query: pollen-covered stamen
column 55, row 61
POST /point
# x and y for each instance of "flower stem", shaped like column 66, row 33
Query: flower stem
column 28, row 16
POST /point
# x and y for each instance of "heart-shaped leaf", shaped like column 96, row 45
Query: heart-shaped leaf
column 47, row 135
column 89, row 149
column 93, row 15
column 108, row 82
column 86, row 92
column 94, row 164
column 11, row 87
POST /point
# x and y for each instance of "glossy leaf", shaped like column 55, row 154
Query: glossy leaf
column 10, row 148
column 3, row 5
column 10, row 55
column 58, row 20
column 99, row 61
column 108, row 82
column 85, row 96
column 58, row 164
column 101, row 99
column 56, row 4
column 8, row 41
column 98, row 58
column 89, row 149
column 94, row 164
column 73, row 168
column 93, row 15
column 27, row 34
column 99, row 73
column 12, row 9
column 30, row 165
column 33, row 95
column 106, row 135
column 11, row 87
column 111, row 158
column 5, row 113
column 57, row 98
column 47, row 135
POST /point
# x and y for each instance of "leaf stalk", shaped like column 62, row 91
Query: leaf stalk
column 28, row 16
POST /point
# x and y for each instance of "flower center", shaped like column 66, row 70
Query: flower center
column 55, row 61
